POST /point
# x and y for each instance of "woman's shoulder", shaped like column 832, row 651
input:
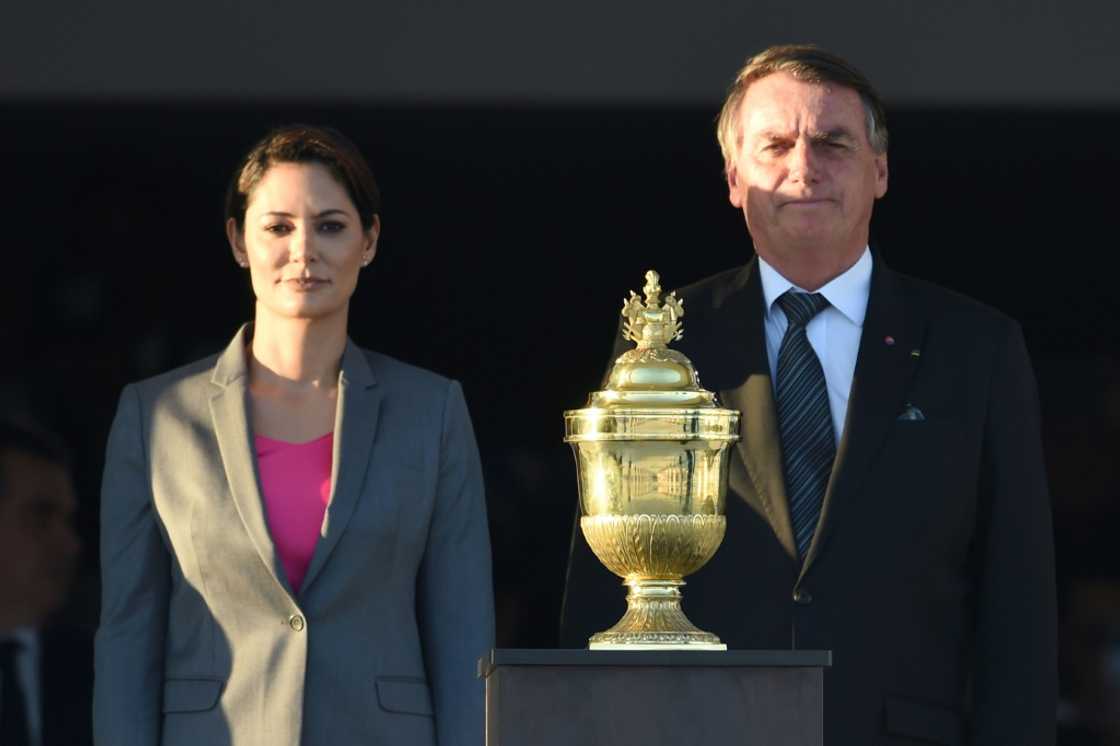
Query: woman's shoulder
column 185, row 376
column 396, row 374
column 217, row 369
column 183, row 392
column 411, row 396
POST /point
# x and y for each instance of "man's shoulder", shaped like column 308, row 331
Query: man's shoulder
column 950, row 307
column 714, row 289
column 715, row 293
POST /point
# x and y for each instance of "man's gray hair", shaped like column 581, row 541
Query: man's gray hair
column 809, row 64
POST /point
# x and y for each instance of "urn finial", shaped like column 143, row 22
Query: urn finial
column 652, row 323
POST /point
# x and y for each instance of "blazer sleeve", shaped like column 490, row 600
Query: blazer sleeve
column 128, row 651
column 1015, row 675
column 455, row 596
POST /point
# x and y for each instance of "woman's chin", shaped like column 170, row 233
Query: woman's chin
column 307, row 309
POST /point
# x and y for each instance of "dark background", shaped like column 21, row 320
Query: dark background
column 510, row 237
column 526, row 191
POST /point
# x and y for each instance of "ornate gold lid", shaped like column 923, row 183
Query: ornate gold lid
column 653, row 392
column 652, row 375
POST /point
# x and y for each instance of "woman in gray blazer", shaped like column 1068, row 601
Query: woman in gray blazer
column 294, row 545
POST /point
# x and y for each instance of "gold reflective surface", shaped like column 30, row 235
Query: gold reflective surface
column 651, row 456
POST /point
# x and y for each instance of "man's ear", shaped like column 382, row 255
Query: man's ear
column 881, row 172
column 236, row 240
column 735, row 193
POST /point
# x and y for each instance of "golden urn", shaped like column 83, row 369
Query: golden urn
column 651, row 451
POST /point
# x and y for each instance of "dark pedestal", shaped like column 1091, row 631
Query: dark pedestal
column 601, row 698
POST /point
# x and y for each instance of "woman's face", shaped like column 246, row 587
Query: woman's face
column 303, row 242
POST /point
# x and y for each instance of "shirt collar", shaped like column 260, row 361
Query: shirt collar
column 847, row 292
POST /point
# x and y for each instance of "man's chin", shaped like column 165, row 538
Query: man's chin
column 810, row 237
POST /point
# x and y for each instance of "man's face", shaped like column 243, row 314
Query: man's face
column 805, row 174
column 38, row 544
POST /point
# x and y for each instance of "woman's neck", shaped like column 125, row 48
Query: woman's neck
column 301, row 353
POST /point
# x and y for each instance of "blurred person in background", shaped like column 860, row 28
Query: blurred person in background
column 46, row 667
column 1090, row 713
column 294, row 535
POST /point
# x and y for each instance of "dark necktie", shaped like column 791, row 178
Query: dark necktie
column 13, row 706
column 804, row 419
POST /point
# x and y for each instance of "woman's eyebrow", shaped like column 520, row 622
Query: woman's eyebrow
column 323, row 214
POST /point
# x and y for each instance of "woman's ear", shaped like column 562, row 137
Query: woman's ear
column 236, row 238
column 372, row 235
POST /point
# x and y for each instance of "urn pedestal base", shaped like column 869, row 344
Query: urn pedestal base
column 654, row 621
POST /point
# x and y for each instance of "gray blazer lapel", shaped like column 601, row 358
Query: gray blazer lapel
column 883, row 372
column 359, row 402
column 229, row 410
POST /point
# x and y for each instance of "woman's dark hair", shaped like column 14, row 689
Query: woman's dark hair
column 300, row 143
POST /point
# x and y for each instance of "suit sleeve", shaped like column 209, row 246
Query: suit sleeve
column 128, row 653
column 1015, row 677
column 455, row 587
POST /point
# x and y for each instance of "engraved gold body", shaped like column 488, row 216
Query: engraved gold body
column 651, row 454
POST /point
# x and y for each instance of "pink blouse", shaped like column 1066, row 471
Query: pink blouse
column 296, row 482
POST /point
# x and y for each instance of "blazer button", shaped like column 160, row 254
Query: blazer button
column 802, row 597
column 295, row 621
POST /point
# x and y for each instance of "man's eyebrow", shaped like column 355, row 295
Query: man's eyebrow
column 834, row 134
column 774, row 135
column 323, row 214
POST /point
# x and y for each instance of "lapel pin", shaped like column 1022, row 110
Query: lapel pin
column 911, row 414
column 889, row 340
column 915, row 353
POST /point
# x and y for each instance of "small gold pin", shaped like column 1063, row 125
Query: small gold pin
column 915, row 353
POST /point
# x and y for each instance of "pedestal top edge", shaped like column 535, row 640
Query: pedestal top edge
column 667, row 658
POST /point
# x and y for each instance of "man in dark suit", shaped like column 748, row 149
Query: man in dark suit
column 888, row 499
column 46, row 669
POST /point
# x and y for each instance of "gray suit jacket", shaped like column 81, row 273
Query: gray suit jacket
column 202, row 640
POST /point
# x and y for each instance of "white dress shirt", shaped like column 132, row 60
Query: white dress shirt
column 27, row 671
column 833, row 333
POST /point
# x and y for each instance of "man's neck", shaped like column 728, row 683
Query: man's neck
column 811, row 267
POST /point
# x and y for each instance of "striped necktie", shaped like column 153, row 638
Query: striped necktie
column 13, row 705
column 804, row 419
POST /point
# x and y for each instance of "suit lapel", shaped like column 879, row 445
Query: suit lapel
column 745, row 385
column 229, row 409
column 359, row 403
column 884, row 368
